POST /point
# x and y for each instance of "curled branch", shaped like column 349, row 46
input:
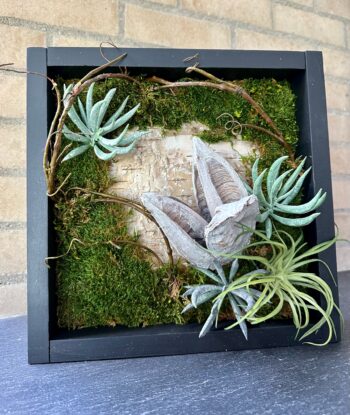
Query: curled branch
column 92, row 76
column 233, row 88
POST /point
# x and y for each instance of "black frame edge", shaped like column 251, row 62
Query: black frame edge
column 41, row 347
column 37, row 209
column 321, row 173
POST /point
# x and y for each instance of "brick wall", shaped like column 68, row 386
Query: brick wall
column 238, row 24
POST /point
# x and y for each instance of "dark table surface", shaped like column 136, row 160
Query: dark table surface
column 301, row 380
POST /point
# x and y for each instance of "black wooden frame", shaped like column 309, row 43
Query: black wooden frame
column 48, row 344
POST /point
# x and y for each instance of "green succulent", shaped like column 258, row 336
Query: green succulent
column 284, row 280
column 92, row 131
column 281, row 190
column 240, row 300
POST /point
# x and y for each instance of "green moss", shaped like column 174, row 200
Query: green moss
column 169, row 109
column 100, row 284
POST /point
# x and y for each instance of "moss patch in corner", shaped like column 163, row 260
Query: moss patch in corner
column 100, row 284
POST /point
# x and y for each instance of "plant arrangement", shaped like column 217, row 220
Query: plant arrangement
column 91, row 132
column 241, row 255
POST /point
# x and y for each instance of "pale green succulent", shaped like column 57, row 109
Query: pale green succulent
column 281, row 190
column 241, row 300
column 92, row 131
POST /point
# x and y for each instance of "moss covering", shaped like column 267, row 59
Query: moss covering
column 102, row 283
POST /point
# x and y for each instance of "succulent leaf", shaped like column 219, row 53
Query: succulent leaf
column 89, row 101
column 295, row 222
column 277, row 185
column 289, row 196
column 204, row 293
column 233, row 270
column 273, row 172
column 209, row 274
column 210, row 320
column 257, row 189
column 79, row 138
column 281, row 191
column 82, row 111
column 240, row 300
column 313, row 204
column 293, row 177
column 112, row 119
column 126, row 117
column 105, row 104
column 238, row 314
column 76, row 152
column 73, row 115
column 89, row 122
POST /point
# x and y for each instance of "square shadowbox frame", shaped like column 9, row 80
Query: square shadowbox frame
column 46, row 342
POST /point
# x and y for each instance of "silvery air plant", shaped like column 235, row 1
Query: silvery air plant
column 92, row 131
column 281, row 190
column 204, row 239
column 240, row 300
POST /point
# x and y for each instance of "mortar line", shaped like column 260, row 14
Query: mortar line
column 12, row 121
column 11, row 279
column 335, row 111
column 13, row 226
column 343, row 177
column 53, row 29
column 312, row 9
column 241, row 25
column 12, row 172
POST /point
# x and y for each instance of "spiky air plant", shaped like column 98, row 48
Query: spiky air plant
column 240, row 300
column 283, row 279
column 92, row 131
column 281, row 190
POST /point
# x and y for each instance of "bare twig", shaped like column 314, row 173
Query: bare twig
column 90, row 77
column 216, row 83
column 107, row 43
column 137, row 244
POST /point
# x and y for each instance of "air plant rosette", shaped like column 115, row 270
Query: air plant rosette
column 92, row 133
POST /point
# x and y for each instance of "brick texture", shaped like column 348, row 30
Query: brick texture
column 334, row 7
column 246, row 39
column 13, row 299
column 165, row 2
column 21, row 37
column 253, row 12
column 71, row 41
column 241, row 24
column 13, row 147
column 307, row 24
column 308, row 3
column 88, row 15
column 342, row 219
column 337, row 63
column 178, row 31
column 341, row 192
column 12, row 96
column 340, row 156
column 339, row 127
column 13, row 252
column 343, row 258
column 12, row 201
column 338, row 95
